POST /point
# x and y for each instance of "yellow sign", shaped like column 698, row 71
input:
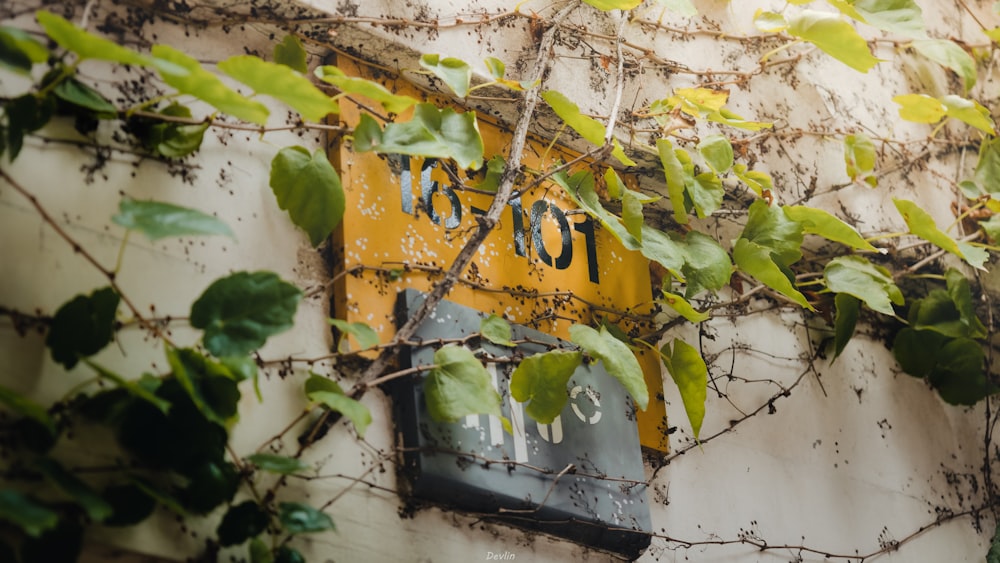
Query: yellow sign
column 546, row 265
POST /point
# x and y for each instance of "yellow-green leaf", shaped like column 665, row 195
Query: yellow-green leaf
column 688, row 370
column 682, row 7
column 859, row 158
column 948, row 54
column 607, row 5
column 674, row 172
column 919, row 108
column 542, row 379
column 684, row 308
column 834, row 36
column 858, row 277
column 922, row 224
column 758, row 261
column 754, row 179
column 969, row 111
column 769, row 22
column 617, row 358
column 85, row 44
column 588, row 127
column 393, row 103
column 282, row 83
column 291, row 53
column 717, row 152
column 458, row 386
column 497, row 331
column 456, row 73
column 819, row 222
column 632, row 215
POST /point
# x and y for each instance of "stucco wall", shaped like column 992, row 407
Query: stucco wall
column 855, row 456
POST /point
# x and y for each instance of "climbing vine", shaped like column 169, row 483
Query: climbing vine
column 171, row 429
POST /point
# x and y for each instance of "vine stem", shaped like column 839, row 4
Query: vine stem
column 77, row 248
column 486, row 223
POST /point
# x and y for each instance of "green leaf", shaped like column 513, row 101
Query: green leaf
column 260, row 552
column 859, row 158
column 706, row 264
column 993, row 555
column 682, row 7
column 858, row 277
column 754, row 179
column 20, row 51
column 674, row 171
column 207, row 87
column 632, row 215
column 83, row 326
column 844, row 322
column 660, row 248
column 309, row 188
column 133, row 388
column 759, row 262
column 454, row 72
column 242, row 522
column 975, row 256
column 897, row 16
column 84, row 44
column 356, row 412
column 211, row 388
column 706, row 193
column 92, row 503
column 917, row 350
column 374, row 91
column 291, row 53
column 588, row 127
column 27, row 408
column 922, row 225
column 30, row 516
column 959, row 377
column 285, row 554
column 949, row 312
column 77, row 93
column 129, row 504
column 819, row 222
column 772, row 228
column 431, row 133
column 834, row 36
column 688, row 370
column 717, row 152
column 542, row 379
column 608, row 5
column 947, row 53
column 987, row 174
column 364, row 334
column 494, row 171
column 580, row 189
column 159, row 220
column 165, row 138
column 618, row 359
column 769, row 22
column 919, row 108
column 496, row 330
column 969, row 111
column 683, row 308
column 458, row 386
column 961, row 295
column 280, row 464
column 239, row 312
column 282, row 83
column 25, row 114
column 210, row 484
column 298, row 518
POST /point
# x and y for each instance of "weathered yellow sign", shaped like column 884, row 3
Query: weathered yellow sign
column 547, row 265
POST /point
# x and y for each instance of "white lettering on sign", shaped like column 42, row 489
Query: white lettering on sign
column 592, row 395
column 539, row 209
column 505, row 556
column 555, row 428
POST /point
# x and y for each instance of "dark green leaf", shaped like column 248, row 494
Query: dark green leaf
column 79, row 94
column 431, row 133
column 458, row 386
column 260, row 552
column 454, row 72
column 917, row 351
column 158, row 495
column 208, row 384
column 618, row 359
column 688, row 370
column 96, row 507
column 85, row 44
column 961, row 295
column 210, row 484
column 282, row 83
column 959, row 377
column 356, row 412
column 993, row 556
column 26, row 114
column 158, row 220
column 239, row 312
column 129, row 503
column 27, row 408
column 30, row 516
column 844, row 322
column 496, row 330
column 83, row 326
column 277, row 463
column 60, row 544
column 308, row 187
column 298, row 518
column 286, row 554
column 132, row 387
column 170, row 139
column 393, row 103
column 242, row 522
column 291, row 53
column 19, row 51
column 364, row 334
column 194, row 80
column 866, row 281
column 542, row 379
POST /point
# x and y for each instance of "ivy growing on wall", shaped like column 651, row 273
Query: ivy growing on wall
column 173, row 427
